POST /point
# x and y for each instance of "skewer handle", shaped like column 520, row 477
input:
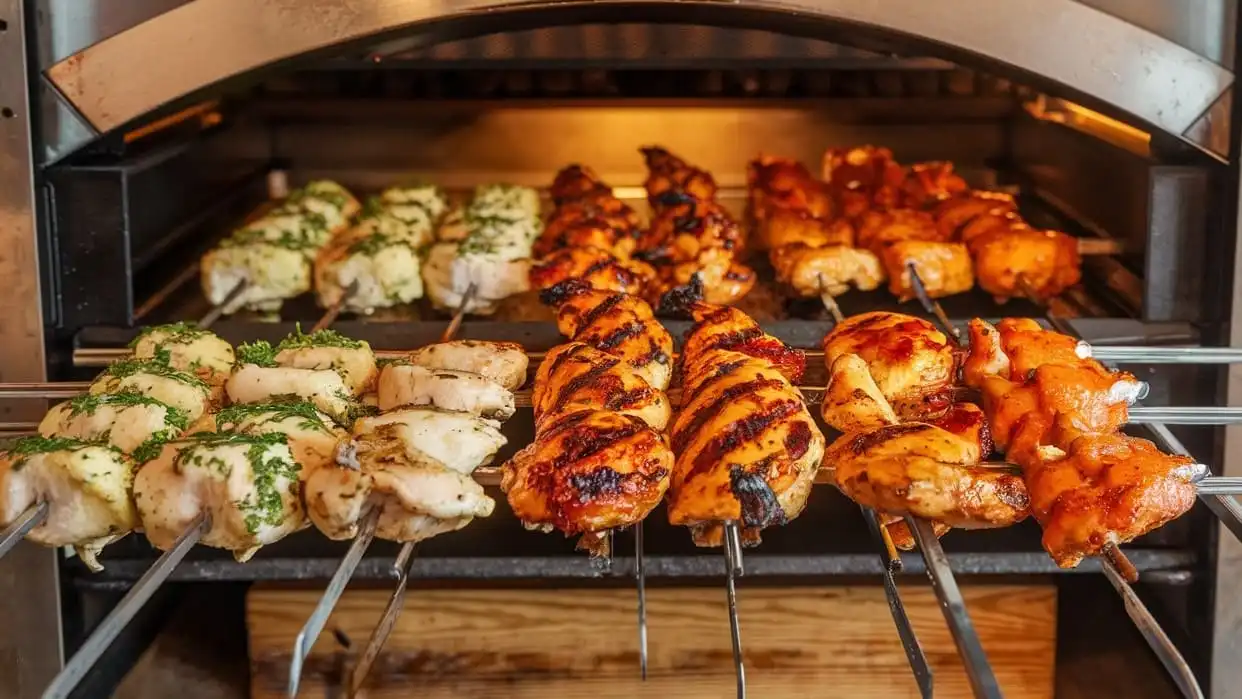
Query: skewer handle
column 20, row 527
column 953, row 606
column 931, row 305
column 124, row 612
column 331, row 595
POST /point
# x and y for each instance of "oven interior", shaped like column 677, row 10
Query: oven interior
column 129, row 215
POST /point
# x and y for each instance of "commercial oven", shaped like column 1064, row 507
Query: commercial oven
column 134, row 137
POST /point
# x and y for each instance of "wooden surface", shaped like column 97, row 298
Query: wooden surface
column 798, row 642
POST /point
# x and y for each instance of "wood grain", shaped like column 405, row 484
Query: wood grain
column 518, row 644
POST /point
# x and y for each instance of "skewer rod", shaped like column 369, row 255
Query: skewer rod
column 383, row 629
column 1195, row 415
column 733, row 569
column 1162, row 355
column 124, row 612
column 953, row 606
column 905, row 630
column 640, row 586
column 28, row 520
column 1156, row 637
column 331, row 595
column 1226, row 509
column 214, row 314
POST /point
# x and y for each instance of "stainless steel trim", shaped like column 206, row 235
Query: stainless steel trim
column 1061, row 41
column 29, row 588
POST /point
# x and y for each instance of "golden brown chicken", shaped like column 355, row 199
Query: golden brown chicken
column 1031, row 404
column 862, row 178
column 597, row 267
column 1108, row 489
column 793, row 227
column 747, row 447
column 913, row 364
column 671, row 180
column 678, row 233
column 618, row 324
column 1022, row 261
column 953, row 214
column 877, row 228
column 572, row 227
column 576, row 182
column 930, row 470
column 930, row 182
column 778, row 185
column 589, row 472
column 945, row 268
column 725, row 279
column 575, row 377
column 812, row 271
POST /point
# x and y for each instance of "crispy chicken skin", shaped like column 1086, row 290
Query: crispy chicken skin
column 1046, row 261
column 680, row 232
column 1108, row 489
column 572, row 227
column 953, row 214
column 781, row 184
column 930, row 182
column 912, row 363
column 725, row 328
column 575, row 377
column 619, row 324
column 747, row 447
column 785, row 227
column 878, row 228
column 724, row 279
column 812, row 271
column 930, row 471
column 862, row 177
column 597, row 267
column 1031, row 403
column 588, row 472
column 945, row 268
column 575, row 182
column 671, row 180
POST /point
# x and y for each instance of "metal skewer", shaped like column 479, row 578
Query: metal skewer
column 334, row 311
column 216, row 311
column 20, row 527
column 953, row 606
column 640, row 586
column 120, row 616
column 379, row 636
column 923, row 675
column 733, row 570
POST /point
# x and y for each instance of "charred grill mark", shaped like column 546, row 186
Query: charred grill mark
column 798, row 441
column 736, row 340
column 600, row 265
column 593, row 484
column 557, row 294
column 620, row 400
column 601, row 309
column 861, row 443
column 583, row 380
column 760, row 507
column 653, row 354
column 747, row 429
column 728, row 395
column 591, row 440
column 617, row 336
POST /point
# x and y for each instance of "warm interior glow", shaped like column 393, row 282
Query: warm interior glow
column 1089, row 121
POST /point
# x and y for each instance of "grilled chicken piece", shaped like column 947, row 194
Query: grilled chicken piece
column 460, row 441
column 251, row 383
column 747, row 447
column 785, row 227
column 1048, row 261
column 575, row 377
column 1108, row 489
column 930, row 182
column 580, row 225
column 85, row 485
column 670, row 180
column 725, row 280
column 953, row 214
column 597, row 267
column 274, row 253
column 853, row 402
column 504, row 363
column 902, row 537
column 945, row 268
column 876, row 229
column 679, row 233
column 832, row 269
column 1032, row 404
column 248, row 484
column 155, row 379
column 588, row 472
column 487, row 246
column 725, row 328
column 190, row 349
column 403, row 385
column 930, row 471
column 312, row 435
column 130, row 421
column 779, row 185
column 912, row 363
column 574, row 182
column 329, row 350
column 418, row 497
column 619, row 324
column 862, row 178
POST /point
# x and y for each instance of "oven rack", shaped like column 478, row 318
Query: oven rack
column 939, row 568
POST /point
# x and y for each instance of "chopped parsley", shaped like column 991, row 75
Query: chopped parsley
column 260, row 353
column 174, row 333
column 266, row 503
column 27, row 447
column 157, row 366
column 277, row 409
column 322, row 338
column 88, row 403
column 377, row 242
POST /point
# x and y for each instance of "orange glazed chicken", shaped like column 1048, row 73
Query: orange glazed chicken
column 671, row 180
column 747, row 447
column 599, row 268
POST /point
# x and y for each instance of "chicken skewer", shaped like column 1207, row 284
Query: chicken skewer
column 279, row 512
column 144, row 346
column 1120, row 573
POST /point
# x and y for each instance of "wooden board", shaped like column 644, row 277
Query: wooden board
column 519, row 644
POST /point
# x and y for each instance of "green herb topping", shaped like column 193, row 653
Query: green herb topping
column 27, row 447
column 88, row 403
column 174, row 333
column 260, row 353
column 157, row 366
column 278, row 409
column 321, row 338
column 266, row 504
